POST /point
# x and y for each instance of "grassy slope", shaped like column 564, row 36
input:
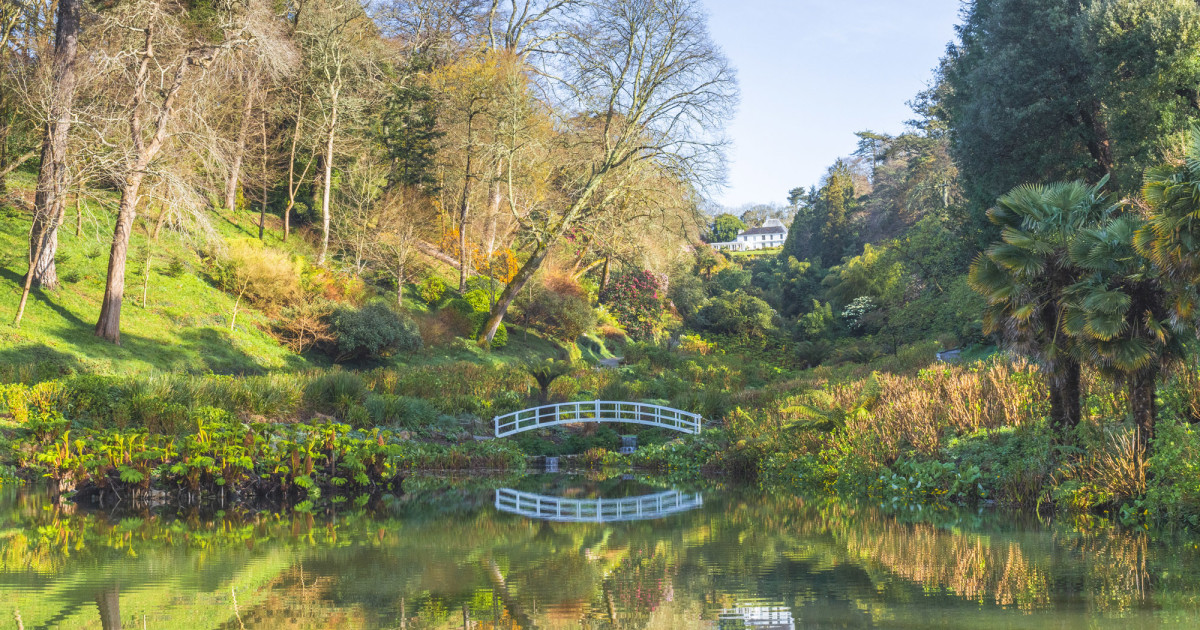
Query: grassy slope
column 184, row 326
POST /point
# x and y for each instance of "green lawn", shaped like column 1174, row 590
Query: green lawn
column 755, row 253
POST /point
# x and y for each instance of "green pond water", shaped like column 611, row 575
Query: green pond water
column 569, row 551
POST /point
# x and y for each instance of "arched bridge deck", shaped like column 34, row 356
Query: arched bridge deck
column 597, row 411
column 547, row 508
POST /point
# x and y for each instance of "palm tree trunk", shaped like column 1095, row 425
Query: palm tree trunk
column 1142, row 386
column 1065, row 393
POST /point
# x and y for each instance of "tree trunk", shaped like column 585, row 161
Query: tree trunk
column 318, row 182
column 49, row 200
column 236, row 303
column 28, row 283
column 239, row 151
column 464, row 212
column 1099, row 144
column 146, row 277
column 494, row 197
column 463, row 259
column 590, row 266
column 524, row 274
column 1065, row 393
column 541, row 249
column 5, row 131
column 1142, row 387
column 7, row 166
column 292, row 186
column 262, row 215
column 79, row 213
column 45, row 229
column 109, row 325
column 325, row 185
column 400, row 286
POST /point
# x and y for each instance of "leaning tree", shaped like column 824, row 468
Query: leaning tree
column 636, row 85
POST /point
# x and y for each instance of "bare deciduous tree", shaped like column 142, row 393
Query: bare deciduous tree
column 338, row 41
column 638, row 81
column 50, row 198
column 170, row 58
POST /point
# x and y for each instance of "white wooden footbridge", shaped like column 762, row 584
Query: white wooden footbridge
column 597, row 411
column 548, row 508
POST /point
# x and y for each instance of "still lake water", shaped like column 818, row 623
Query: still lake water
column 455, row 554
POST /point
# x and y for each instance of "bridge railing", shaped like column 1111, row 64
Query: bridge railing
column 597, row 411
column 558, row 509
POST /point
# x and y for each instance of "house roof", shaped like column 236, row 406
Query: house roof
column 764, row 230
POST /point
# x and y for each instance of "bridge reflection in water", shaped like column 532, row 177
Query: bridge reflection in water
column 756, row 616
column 548, row 508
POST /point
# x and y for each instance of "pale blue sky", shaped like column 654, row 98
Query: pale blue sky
column 814, row 72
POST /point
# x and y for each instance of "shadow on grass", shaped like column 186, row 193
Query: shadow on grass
column 43, row 297
column 218, row 353
column 32, row 363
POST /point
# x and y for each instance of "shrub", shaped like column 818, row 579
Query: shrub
column 305, row 325
column 737, row 314
column 483, row 283
column 1110, row 472
column 635, row 299
column 1173, row 490
column 478, row 299
column 373, row 331
column 1016, row 461
column 732, row 278
column 460, row 306
column 336, row 287
column 261, row 275
column 910, row 483
column 696, row 345
column 456, row 322
column 443, row 327
column 857, row 313
column 431, row 290
column 174, row 269
column 558, row 308
column 687, row 295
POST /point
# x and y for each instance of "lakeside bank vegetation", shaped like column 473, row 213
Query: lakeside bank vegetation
column 341, row 238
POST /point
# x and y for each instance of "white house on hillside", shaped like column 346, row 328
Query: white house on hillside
column 771, row 234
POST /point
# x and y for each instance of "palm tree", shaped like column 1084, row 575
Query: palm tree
column 1170, row 236
column 1150, row 312
column 1120, row 315
column 1025, row 276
